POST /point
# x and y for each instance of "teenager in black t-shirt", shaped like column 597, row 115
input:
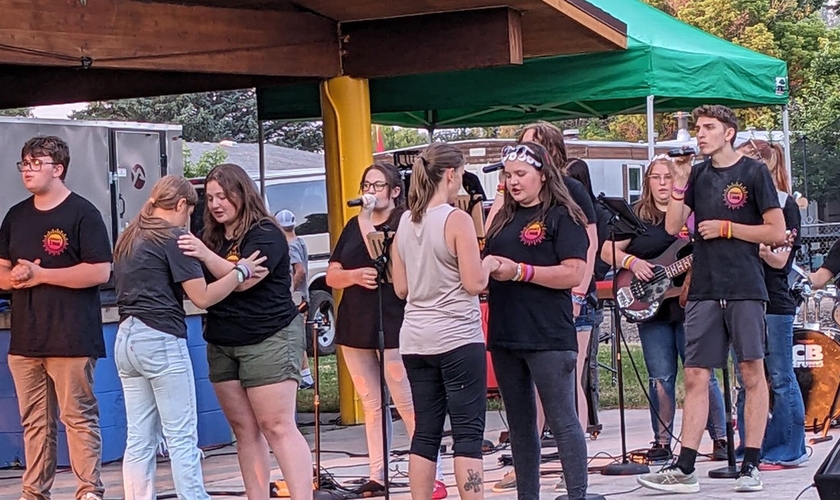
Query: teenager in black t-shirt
column 255, row 337
column 357, row 325
column 784, row 438
column 662, row 337
column 736, row 208
column 829, row 268
column 550, row 137
column 151, row 275
column 54, row 254
column 539, row 239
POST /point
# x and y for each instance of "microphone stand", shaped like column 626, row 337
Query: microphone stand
column 381, row 265
column 623, row 220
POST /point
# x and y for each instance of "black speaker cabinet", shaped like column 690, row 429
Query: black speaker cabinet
column 827, row 477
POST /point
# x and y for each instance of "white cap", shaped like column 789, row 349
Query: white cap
column 285, row 218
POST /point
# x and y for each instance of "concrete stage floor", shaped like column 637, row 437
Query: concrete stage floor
column 221, row 472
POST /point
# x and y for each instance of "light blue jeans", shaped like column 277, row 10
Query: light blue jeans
column 784, row 437
column 662, row 343
column 159, row 388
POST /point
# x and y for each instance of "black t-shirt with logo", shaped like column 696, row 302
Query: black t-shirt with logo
column 356, row 324
column 776, row 280
column 526, row 315
column 648, row 246
column 253, row 315
column 50, row 320
column 832, row 260
column 148, row 284
column 729, row 268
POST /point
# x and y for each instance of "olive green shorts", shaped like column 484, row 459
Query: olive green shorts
column 275, row 359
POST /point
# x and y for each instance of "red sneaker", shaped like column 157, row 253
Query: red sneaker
column 440, row 491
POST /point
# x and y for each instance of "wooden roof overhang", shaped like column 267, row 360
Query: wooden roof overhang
column 54, row 51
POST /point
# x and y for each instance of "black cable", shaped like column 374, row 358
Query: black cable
column 803, row 491
column 645, row 392
column 615, row 494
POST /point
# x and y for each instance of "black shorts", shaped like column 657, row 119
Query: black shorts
column 712, row 325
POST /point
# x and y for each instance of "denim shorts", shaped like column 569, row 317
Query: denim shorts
column 586, row 319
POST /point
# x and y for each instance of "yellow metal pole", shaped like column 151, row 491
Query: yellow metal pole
column 345, row 106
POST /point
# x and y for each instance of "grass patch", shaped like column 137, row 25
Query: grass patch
column 633, row 395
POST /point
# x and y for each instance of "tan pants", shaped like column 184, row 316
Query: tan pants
column 44, row 387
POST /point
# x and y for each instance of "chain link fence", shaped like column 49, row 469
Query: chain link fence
column 816, row 241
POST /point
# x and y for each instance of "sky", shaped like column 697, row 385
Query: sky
column 57, row 111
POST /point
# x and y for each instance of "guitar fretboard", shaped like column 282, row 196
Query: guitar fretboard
column 679, row 267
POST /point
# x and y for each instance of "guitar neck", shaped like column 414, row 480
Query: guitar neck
column 679, row 267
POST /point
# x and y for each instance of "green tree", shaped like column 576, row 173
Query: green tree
column 23, row 112
column 205, row 163
column 209, row 117
column 398, row 137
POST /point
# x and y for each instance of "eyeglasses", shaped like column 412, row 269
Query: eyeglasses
column 660, row 178
column 377, row 186
column 35, row 165
column 521, row 153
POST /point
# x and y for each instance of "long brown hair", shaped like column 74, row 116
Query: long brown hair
column 551, row 138
column 646, row 208
column 553, row 193
column 772, row 154
column 240, row 190
column 427, row 172
column 166, row 194
column 394, row 180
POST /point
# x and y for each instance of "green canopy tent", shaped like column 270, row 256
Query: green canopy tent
column 668, row 66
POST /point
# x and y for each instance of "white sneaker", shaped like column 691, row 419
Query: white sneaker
column 749, row 479
column 670, row 479
column 91, row 496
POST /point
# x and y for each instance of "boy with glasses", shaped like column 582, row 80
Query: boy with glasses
column 54, row 254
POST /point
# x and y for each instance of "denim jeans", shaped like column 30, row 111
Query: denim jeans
column 159, row 388
column 784, row 437
column 553, row 372
column 662, row 343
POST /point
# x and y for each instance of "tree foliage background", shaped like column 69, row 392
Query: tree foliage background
column 800, row 32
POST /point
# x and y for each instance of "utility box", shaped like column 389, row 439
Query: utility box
column 112, row 164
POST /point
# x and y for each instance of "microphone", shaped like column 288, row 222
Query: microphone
column 493, row 167
column 360, row 201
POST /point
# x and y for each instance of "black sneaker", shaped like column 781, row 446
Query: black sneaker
column 719, row 451
column 659, row 453
column 371, row 489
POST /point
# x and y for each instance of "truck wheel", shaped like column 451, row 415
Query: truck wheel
column 321, row 310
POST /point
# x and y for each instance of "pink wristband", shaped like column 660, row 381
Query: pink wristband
column 680, row 191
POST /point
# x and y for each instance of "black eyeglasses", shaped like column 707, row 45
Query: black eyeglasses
column 521, row 153
column 35, row 165
column 377, row 186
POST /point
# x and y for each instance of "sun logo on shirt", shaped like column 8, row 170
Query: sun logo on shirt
column 684, row 234
column 233, row 255
column 55, row 242
column 533, row 234
column 735, row 196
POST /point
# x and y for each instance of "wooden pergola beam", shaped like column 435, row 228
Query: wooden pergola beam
column 432, row 42
column 126, row 34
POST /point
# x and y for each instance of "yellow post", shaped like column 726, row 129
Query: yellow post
column 345, row 105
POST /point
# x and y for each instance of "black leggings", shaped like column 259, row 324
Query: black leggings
column 453, row 382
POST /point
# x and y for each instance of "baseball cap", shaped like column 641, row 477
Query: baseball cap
column 285, row 218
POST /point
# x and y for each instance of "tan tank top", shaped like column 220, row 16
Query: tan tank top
column 439, row 314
